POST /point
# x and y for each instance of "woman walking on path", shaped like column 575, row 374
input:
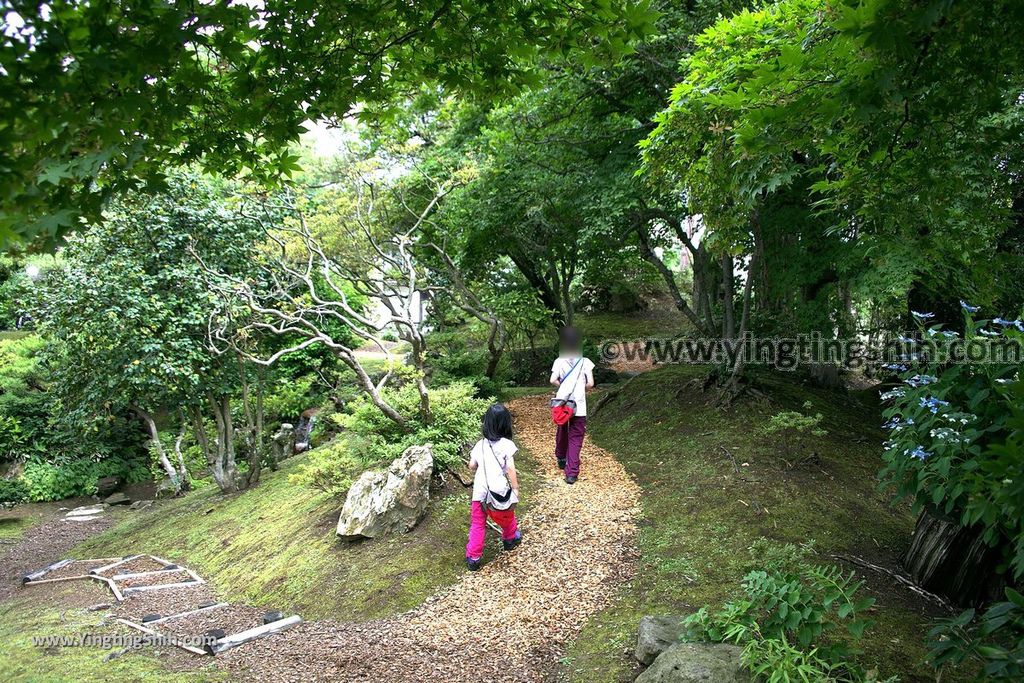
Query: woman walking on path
column 573, row 374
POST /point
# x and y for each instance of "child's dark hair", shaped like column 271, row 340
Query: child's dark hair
column 497, row 423
column 569, row 338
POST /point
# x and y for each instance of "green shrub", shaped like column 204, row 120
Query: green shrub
column 370, row 439
column 793, row 428
column 330, row 468
column 957, row 433
column 373, row 438
column 462, row 355
column 790, row 619
column 77, row 477
column 996, row 639
column 12, row 492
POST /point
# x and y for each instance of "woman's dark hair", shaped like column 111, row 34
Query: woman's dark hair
column 497, row 423
column 569, row 339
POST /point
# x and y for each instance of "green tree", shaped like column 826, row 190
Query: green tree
column 128, row 319
column 101, row 97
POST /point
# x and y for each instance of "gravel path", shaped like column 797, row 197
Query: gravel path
column 508, row 622
column 42, row 545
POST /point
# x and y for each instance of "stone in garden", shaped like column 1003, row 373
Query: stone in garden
column 166, row 488
column 117, row 499
column 107, row 485
column 394, row 501
column 271, row 617
column 657, row 634
column 697, row 663
column 150, row 617
column 141, row 505
column 86, row 513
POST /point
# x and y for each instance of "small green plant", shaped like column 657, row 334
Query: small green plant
column 995, row 639
column 369, row 438
column 793, row 428
column 329, row 468
column 54, row 481
column 790, row 619
column 12, row 492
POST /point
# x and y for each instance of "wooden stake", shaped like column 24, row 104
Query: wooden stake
column 141, row 589
column 106, row 567
column 137, row 575
column 236, row 639
column 113, row 587
column 200, row 610
column 172, row 640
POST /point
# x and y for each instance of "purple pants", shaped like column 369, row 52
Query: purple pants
column 568, row 442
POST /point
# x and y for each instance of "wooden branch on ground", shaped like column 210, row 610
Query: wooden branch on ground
column 728, row 453
column 898, row 578
column 236, row 639
column 611, row 393
column 182, row 615
column 170, row 639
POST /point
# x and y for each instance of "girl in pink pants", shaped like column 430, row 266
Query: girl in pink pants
column 495, row 485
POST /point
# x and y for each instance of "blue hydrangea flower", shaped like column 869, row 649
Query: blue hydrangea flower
column 906, row 340
column 949, row 334
column 969, row 308
column 920, row 380
column 933, row 404
column 1009, row 323
column 898, row 392
column 922, row 316
column 920, row 453
column 895, row 367
column 989, row 333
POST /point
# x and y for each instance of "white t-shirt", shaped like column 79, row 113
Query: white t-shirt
column 576, row 382
column 490, row 467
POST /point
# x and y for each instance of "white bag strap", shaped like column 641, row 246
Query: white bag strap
column 579, row 364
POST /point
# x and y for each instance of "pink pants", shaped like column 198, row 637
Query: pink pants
column 569, row 441
column 506, row 519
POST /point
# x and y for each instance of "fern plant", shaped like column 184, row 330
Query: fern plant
column 791, row 620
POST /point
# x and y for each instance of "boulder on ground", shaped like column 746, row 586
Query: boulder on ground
column 117, row 499
column 141, row 505
column 697, row 663
column 107, row 485
column 394, row 501
column 657, row 634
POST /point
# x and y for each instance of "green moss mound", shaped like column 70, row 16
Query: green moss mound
column 714, row 483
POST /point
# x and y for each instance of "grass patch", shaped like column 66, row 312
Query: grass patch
column 700, row 515
column 22, row 660
column 12, row 528
column 275, row 546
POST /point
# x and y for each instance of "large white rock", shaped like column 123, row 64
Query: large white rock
column 384, row 502
column 697, row 663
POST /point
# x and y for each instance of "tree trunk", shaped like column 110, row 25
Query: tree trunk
column 176, row 478
column 223, row 470
column 728, row 283
column 953, row 561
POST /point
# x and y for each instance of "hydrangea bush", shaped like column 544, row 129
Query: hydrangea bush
column 956, row 429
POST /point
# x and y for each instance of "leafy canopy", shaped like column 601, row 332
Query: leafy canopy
column 100, row 97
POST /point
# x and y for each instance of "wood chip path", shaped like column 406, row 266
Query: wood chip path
column 508, row 622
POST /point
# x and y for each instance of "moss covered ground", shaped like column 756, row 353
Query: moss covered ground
column 275, row 546
column 28, row 625
column 713, row 484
